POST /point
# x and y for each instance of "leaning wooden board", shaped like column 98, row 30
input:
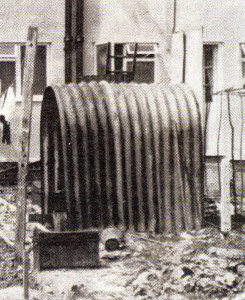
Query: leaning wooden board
column 29, row 65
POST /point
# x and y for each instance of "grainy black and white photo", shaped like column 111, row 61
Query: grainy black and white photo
column 122, row 149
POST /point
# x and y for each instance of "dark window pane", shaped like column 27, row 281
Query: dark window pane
column 243, row 69
column 7, row 75
column 40, row 80
column 208, row 55
column 208, row 52
column 102, row 54
column 144, row 71
column 118, row 50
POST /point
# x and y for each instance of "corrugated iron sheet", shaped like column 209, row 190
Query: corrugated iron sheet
column 124, row 154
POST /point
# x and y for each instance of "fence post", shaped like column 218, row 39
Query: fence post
column 225, row 205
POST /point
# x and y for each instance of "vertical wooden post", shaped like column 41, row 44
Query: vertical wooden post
column 225, row 205
column 26, row 274
column 27, row 92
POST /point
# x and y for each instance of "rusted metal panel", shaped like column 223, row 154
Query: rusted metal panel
column 53, row 250
column 131, row 155
column 137, row 155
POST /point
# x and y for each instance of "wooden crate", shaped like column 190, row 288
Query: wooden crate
column 55, row 250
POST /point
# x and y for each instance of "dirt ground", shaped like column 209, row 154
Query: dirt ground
column 194, row 265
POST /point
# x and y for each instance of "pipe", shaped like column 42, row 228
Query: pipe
column 79, row 39
column 68, row 39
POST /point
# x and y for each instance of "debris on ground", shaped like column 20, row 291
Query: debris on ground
column 192, row 265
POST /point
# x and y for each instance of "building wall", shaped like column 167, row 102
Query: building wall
column 49, row 17
column 220, row 23
column 123, row 22
column 140, row 21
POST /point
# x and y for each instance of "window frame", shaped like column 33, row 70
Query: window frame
column 126, row 46
column 217, row 66
column 16, row 57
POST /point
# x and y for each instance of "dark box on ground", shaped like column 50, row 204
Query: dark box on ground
column 55, row 250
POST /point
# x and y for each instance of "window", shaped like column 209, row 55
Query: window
column 12, row 66
column 122, row 59
column 242, row 49
column 210, row 66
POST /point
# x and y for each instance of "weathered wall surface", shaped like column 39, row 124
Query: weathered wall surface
column 123, row 22
column 221, row 23
column 140, row 21
column 49, row 17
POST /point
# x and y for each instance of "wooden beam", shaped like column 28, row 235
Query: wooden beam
column 20, row 237
column 225, row 205
column 25, row 140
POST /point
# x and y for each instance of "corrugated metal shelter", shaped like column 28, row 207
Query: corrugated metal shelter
column 122, row 154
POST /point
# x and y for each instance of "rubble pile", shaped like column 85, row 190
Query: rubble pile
column 193, row 268
column 195, row 265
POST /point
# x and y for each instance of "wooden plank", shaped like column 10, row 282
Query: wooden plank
column 177, row 57
column 29, row 64
column 26, row 274
column 194, row 63
column 225, row 208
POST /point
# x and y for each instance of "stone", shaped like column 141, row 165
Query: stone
column 186, row 236
column 114, row 255
column 180, row 272
column 203, row 257
column 177, row 273
column 140, row 291
column 228, row 279
column 227, row 253
column 241, row 269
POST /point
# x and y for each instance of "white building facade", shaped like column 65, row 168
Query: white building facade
column 200, row 43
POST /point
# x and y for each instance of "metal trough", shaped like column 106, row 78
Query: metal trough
column 124, row 154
